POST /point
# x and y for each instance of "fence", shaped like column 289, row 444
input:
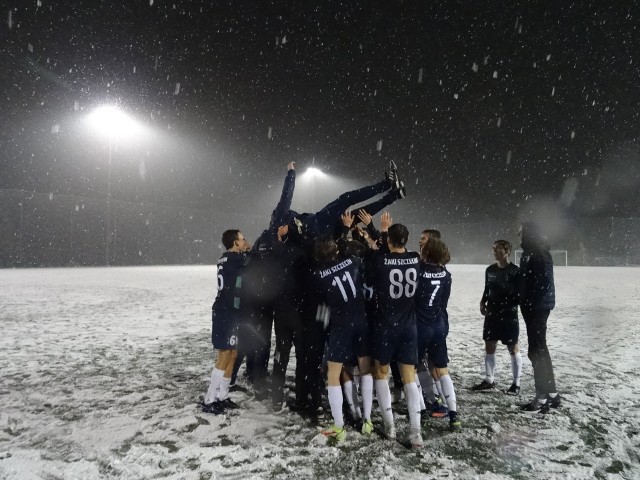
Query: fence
column 61, row 230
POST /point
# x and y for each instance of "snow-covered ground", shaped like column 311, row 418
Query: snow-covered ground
column 101, row 370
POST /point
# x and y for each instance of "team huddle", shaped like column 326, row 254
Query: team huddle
column 359, row 306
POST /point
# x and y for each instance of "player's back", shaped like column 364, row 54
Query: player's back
column 395, row 283
column 230, row 268
column 340, row 287
column 434, row 288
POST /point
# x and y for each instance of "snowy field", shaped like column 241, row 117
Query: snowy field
column 102, row 368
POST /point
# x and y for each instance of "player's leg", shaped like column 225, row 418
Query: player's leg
column 438, row 354
column 536, row 322
column 381, row 377
column 350, row 392
column 264, row 325
column 366, row 390
column 285, row 321
column 413, row 404
column 397, row 382
column 380, row 204
column 516, row 368
column 407, row 356
column 490, row 336
column 223, row 393
column 334, row 392
column 327, row 217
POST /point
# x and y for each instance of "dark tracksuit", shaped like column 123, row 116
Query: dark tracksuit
column 288, row 319
column 259, row 292
column 536, row 295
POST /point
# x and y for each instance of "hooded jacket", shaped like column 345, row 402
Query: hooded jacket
column 536, row 287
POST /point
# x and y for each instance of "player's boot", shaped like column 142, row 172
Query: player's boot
column 550, row 403
column 393, row 180
column 390, row 431
column 554, row 402
column 454, row 422
column 415, row 438
column 438, row 409
column 367, row 427
column 513, row 390
column 229, row 404
column 336, row 433
column 214, row 408
column 532, row 406
column 484, row 385
column 401, row 191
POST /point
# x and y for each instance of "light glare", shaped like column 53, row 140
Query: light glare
column 113, row 123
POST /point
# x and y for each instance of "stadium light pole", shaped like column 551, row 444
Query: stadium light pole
column 112, row 122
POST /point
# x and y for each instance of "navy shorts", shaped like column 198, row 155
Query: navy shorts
column 396, row 342
column 503, row 328
column 432, row 341
column 346, row 342
column 224, row 329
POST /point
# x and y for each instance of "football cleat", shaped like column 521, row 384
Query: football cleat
column 513, row 390
column 454, row 424
column 401, row 191
column 438, row 409
column 554, row 402
column 227, row 403
column 214, row 408
column 415, row 439
column 336, row 433
column 534, row 405
column 392, row 179
column 367, row 427
column 550, row 403
column 484, row 385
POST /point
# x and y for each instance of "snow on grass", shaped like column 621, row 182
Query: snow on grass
column 102, row 368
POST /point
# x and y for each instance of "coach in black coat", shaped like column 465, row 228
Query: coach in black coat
column 537, row 297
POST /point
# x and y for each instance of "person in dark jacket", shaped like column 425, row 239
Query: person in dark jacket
column 537, row 297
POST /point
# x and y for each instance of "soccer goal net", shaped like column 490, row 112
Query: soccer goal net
column 559, row 257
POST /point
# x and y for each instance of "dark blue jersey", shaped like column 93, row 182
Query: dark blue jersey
column 395, row 280
column 432, row 297
column 230, row 267
column 501, row 289
column 339, row 285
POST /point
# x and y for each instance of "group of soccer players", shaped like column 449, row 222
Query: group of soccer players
column 355, row 303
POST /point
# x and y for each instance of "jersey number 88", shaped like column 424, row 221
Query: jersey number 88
column 398, row 285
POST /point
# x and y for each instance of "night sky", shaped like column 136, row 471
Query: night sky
column 484, row 105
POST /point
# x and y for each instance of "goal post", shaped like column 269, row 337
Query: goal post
column 560, row 257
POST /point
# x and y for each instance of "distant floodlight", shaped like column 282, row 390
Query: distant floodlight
column 112, row 122
column 313, row 172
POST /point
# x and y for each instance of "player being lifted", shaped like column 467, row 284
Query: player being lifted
column 434, row 287
column 395, row 277
column 499, row 305
column 225, row 320
column 310, row 226
column 339, row 282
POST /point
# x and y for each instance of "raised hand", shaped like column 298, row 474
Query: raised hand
column 364, row 216
column 291, row 166
column 282, row 231
column 347, row 219
column 385, row 221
